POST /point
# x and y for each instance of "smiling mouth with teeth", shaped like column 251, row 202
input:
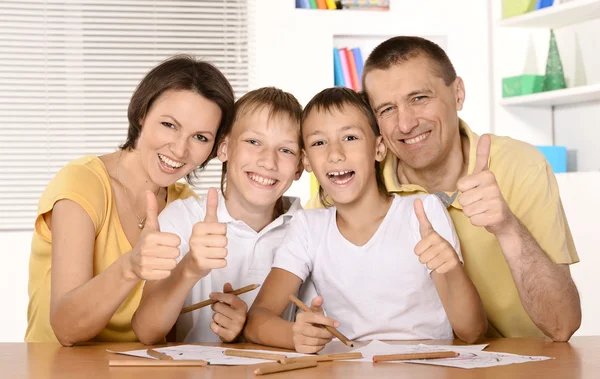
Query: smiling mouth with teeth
column 340, row 177
column 261, row 179
column 419, row 138
column 169, row 162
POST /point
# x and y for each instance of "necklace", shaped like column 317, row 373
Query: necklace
column 141, row 220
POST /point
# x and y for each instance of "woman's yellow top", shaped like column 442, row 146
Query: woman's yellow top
column 86, row 182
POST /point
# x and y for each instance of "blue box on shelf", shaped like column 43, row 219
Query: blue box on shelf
column 556, row 156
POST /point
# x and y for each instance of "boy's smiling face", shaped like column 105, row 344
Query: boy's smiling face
column 341, row 149
column 263, row 156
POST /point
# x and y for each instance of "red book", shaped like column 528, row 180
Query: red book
column 354, row 80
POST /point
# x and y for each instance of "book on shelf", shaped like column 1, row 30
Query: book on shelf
column 382, row 5
column 347, row 67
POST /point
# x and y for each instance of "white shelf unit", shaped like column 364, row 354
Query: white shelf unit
column 560, row 117
column 556, row 16
column 567, row 96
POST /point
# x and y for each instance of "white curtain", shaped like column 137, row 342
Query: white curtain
column 69, row 67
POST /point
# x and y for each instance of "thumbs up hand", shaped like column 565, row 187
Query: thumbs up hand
column 433, row 250
column 481, row 198
column 154, row 256
column 208, row 243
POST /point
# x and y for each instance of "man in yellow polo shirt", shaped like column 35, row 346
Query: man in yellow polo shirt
column 502, row 195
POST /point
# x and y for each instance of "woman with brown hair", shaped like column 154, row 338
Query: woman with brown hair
column 96, row 237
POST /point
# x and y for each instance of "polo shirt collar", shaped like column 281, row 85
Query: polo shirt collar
column 390, row 170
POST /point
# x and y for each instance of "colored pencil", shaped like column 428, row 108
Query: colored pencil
column 321, row 358
column 406, row 357
column 331, row 329
column 270, row 368
column 208, row 302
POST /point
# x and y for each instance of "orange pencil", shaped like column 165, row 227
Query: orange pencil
column 270, row 368
column 208, row 302
column 331, row 329
column 407, row 357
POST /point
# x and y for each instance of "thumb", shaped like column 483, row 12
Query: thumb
column 227, row 287
column 212, row 202
column 425, row 227
column 316, row 305
column 151, row 212
column 483, row 153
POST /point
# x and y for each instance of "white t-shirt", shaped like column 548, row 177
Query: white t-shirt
column 379, row 290
column 249, row 259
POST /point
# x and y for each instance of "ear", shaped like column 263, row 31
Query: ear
column 380, row 149
column 299, row 170
column 222, row 150
column 305, row 161
column 459, row 93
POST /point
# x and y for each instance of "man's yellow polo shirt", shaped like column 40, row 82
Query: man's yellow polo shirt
column 530, row 189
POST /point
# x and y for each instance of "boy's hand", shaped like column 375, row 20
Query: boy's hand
column 309, row 334
column 230, row 314
column 208, row 243
column 433, row 250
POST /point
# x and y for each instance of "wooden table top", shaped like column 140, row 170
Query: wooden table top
column 579, row 358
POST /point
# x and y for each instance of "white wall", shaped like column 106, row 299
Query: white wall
column 13, row 285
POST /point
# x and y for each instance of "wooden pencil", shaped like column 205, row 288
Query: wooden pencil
column 321, row 358
column 253, row 354
column 331, row 329
column 159, row 355
column 270, row 368
column 208, row 302
column 406, row 357
column 156, row 363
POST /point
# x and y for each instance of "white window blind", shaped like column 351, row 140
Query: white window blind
column 69, row 67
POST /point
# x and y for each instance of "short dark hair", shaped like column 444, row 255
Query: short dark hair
column 181, row 72
column 400, row 49
column 279, row 103
column 336, row 98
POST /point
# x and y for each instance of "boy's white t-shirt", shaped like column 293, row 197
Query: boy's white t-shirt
column 250, row 255
column 379, row 290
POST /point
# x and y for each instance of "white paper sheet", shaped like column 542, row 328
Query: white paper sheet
column 211, row 354
column 381, row 348
column 471, row 356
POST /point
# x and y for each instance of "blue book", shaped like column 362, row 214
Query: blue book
column 556, row 156
column 358, row 60
column 544, row 4
column 302, row 4
column 338, row 75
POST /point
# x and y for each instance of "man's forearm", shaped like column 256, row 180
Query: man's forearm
column 547, row 291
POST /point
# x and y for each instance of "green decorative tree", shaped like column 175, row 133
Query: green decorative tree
column 555, row 76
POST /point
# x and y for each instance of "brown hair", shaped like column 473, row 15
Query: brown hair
column 279, row 103
column 181, row 72
column 400, row 49
column 336, row 98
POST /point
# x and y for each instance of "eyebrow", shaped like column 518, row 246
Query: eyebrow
column 263, row 134
column 343, row 129
column 425, row 91
column 179, row 124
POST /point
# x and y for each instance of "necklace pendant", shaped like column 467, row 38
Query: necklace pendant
column 141, row 225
